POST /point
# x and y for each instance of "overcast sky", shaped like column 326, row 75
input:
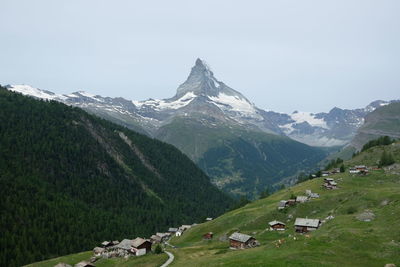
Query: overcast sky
column 282, row 55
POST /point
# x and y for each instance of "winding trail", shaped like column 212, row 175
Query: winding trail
column 170, row 260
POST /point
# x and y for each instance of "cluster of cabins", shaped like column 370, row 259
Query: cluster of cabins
column 127, row 247
column 359, row 169
column 136, row 247
column 299, row 199
column 301, row 225
column 329, row 183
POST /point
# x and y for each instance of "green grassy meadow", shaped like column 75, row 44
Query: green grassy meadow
column 342, row 241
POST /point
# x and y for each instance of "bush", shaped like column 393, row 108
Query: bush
column 158, row 249
column 351, row 210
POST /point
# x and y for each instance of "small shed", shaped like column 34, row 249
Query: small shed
column 140, row 243
column 277, row 225
column 178, row 233
column 353, row 170
column 208, row 236
column 209, row 219
column 282, row 204
column 301, row 199
column 242, row 241
column 304, row 225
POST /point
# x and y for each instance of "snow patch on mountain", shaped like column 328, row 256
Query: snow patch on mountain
column 164, row 104
column 310, row 118
column 234, row 103
column 35, row 92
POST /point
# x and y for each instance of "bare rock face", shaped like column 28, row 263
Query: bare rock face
column 366, row 216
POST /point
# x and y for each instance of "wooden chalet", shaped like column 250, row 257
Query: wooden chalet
column 282, row 204
column 291, row 202
column 353, row 170
column 329, row 183
column 141, row 243
column 301, row 199
column 304, row 225
column 277, row 225
column 242, row 241
column 208, row 236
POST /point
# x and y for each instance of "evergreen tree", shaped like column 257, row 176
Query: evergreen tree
column 342, row 168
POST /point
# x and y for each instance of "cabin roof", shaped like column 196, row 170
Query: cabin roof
column 307, row 222
column 274, row 222
column 172, row 229
column 125, row 244
column 138, row 241
column 282, row 203
column 301, row 198
column 240, row 237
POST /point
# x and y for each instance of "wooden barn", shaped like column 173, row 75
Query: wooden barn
column 303, row 225
column 208, row 236
column 277, row 225
column 140, row 243
column 242, row 241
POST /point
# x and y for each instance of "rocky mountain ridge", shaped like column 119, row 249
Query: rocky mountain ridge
column 203, row 94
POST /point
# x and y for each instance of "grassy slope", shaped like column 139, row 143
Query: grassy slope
column 341, row 241
column 149, row 260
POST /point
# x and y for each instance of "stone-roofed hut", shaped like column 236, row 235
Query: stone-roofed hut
column 304, row 225
column 242, row 241
column 277, row 225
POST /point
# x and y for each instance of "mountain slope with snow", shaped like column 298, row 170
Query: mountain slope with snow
column 206, row 117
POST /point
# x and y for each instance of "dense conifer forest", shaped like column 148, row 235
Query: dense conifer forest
column 69, row 180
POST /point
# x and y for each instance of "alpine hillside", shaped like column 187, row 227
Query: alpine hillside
column 70, row 180
column 384, row 121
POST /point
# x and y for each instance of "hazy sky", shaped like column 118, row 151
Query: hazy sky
column 282, row 55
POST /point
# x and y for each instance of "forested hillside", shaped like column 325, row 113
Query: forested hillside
column 69, row 180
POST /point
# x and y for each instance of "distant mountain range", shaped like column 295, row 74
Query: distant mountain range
column 242, row 147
